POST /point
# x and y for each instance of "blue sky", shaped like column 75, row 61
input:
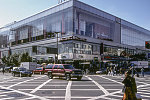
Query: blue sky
column 135, row 11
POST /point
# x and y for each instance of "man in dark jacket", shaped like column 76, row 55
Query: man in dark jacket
column 130, row 87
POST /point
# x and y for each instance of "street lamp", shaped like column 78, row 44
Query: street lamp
column 56, row 58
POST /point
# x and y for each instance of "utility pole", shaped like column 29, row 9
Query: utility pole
column 56, row 58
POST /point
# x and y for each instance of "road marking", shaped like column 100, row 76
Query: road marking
column 55, row 97
column 113, row 93
column 28, row 82
column 141, row 82
column 104, row 96
column 62, row 89
column 27, row 94
column 23, row 82
column 113, row 89
column 143, row 90
column 84, row 85
column 7, row 78
column 68, row 91
column 73, row 97
column 101, row 88
column 45, row 85
column 111, row 80
column 11, row 80
column 5, row 92
column 27, row 98
column 85, row 89
column 117, row 96
column 10, row 98
column 2, row 95
column 145, row 96
column 143, row 93
column 111, row 84
column 142, row 86
column 37, row 88
column 42, row 89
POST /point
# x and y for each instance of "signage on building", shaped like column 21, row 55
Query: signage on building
column 73, row 38
column 66, row 56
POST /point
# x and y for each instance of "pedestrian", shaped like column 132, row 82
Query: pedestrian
column 3, row 70
column 114, row 70
column 130, row 88
column 120, row 71
column 142, row 71
column 107, row 71
column 111, row 71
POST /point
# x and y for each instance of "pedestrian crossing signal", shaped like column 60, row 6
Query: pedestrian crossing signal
column 147, row 44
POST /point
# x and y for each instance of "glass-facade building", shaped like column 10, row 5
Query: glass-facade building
column 77, row 30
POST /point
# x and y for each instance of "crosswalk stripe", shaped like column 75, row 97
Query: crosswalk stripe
column 37, row 88
column 68, row 91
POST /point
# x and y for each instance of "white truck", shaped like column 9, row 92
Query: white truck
column 29, row 65
column 140, row 64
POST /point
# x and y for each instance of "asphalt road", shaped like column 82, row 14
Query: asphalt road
column 91, row 87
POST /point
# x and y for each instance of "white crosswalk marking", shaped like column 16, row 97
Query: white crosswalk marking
column 24, row 82
column 37, row 88
column 68, row 91
column 101, row 88
column 91, row 87
column 26, row 93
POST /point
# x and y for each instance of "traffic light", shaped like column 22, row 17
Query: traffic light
column 101, row 48
column 147, row 44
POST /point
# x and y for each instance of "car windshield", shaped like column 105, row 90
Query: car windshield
column 22, row 69
column 68, row 67
column 38, row 68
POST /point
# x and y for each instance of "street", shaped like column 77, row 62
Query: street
column 91, row 87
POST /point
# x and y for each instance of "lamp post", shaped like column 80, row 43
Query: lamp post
column 56, row 58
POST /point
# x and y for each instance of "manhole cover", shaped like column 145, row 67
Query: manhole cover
column 16, row 95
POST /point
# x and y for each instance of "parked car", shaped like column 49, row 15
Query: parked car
column 48, row 68
column 39, row 70
column 65, row 70
column 21, row 72
column 8, row 69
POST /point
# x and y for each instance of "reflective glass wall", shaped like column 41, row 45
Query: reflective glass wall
column 42, row 28
column 88, row 24
column 133, row 37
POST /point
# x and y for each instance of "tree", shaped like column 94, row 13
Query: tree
column 4, row 60
column 15, row 59
column 26, row 58
column 11, row 60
